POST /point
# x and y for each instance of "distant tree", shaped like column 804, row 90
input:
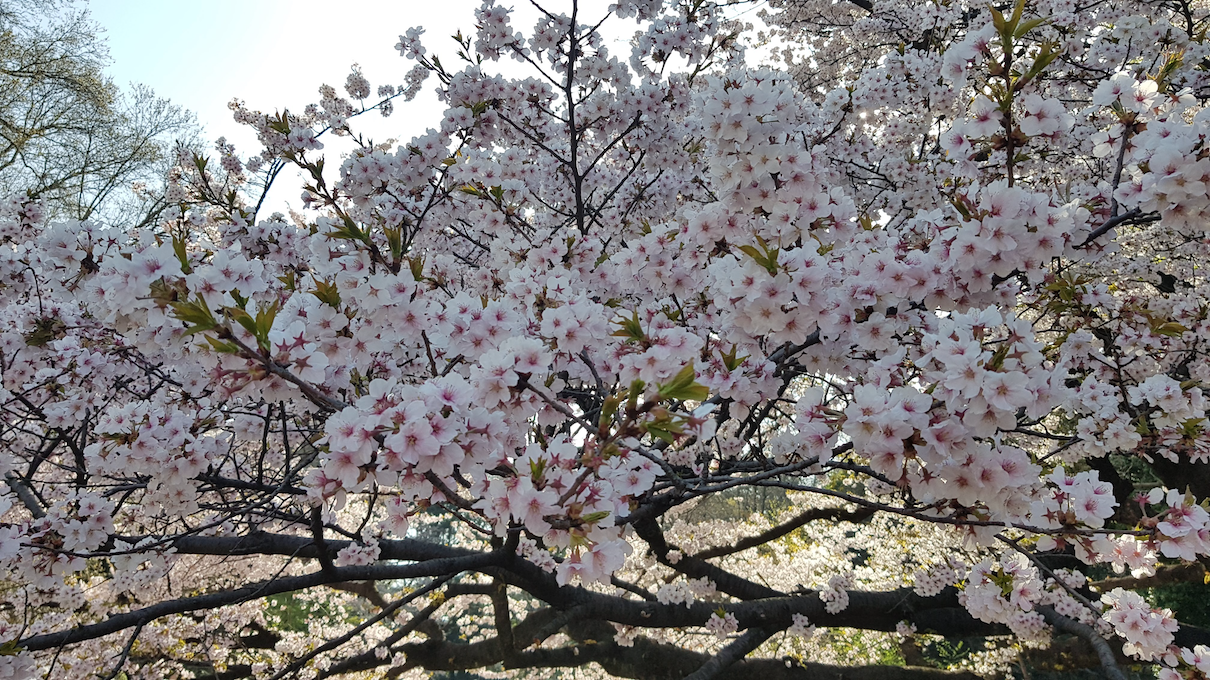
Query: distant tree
column 68, row 134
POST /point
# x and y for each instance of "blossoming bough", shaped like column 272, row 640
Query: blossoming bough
column 936, row 288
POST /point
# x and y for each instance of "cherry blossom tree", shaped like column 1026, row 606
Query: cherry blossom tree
column 649, row 365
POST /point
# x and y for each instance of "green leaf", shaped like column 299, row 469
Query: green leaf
column 683, row 387
column 636, row 390
column 1171, row 65
column 765, row 257
column 1171, row 329
column 683, row 378
column 998, row 21
column 1046, row 54
column 354, row 230
column 608, row 408
column 1017, row 11
column 222, row 347
column 265, row 315
column 416, row 266
column 1005, row 581
column 196, row 315
column 631, row 329
column 660, row 433
column 242, row 318
column 289, row 280
column 178, row 247
column 316, row 169
column 45, row 330
column 349, row 231
column 326, row 292
column 755, row 254
column 537, row 468
column 280, row 124
column 1028, row 26
column 731, row 361
column 395, row 241
column 594, row 517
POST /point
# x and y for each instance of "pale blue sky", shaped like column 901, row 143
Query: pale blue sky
column 271, row 53
column 274, row 54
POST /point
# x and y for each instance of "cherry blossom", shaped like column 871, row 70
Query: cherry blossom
column 628, row 346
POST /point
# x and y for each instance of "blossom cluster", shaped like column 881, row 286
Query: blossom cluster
column 958, row 282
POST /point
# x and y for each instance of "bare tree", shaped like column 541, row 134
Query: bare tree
column 68, row 134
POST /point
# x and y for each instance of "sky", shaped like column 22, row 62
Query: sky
column 270, row 53
column 274, row 54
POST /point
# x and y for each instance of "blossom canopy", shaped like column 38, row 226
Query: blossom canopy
column 504, row 396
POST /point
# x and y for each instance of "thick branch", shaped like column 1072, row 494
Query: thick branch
column 1181, row 573
column 648, row 660
column 118, row 622
column 26, row 495
column 867, row 610
column 649, row 531
column 732, row 653
column 1109, row 662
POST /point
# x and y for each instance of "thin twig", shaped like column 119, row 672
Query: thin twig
column 1113, row 222
column 125, row 653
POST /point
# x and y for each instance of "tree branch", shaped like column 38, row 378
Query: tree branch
column 117, row 622
column 1104, row 652
column 814, row 514
column 729, row 655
